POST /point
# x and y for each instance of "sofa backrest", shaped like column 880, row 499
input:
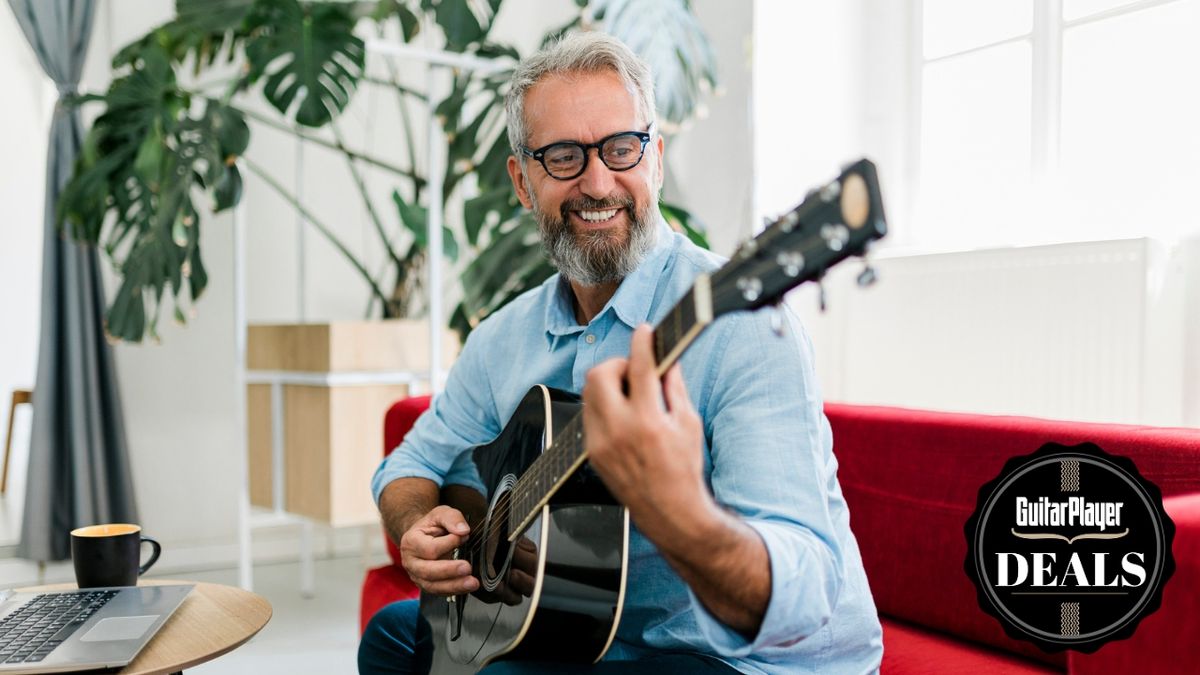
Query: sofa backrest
column 911, row 479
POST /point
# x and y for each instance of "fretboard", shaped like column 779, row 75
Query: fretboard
column 563, row 457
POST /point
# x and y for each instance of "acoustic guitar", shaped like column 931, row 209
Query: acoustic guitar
column 548, row 542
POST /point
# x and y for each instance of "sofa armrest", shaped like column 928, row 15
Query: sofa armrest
column 1165, row 641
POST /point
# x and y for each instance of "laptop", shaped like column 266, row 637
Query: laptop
column 86, row 629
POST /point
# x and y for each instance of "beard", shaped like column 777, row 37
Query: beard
column 594, row 257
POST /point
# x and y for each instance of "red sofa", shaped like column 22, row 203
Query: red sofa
column 912, row 478
column 389, row 583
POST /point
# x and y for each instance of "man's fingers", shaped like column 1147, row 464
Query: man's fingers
column 437, row 570
column 430, row 547
column 455, row 587
column 602, row 392
column 676, row 390
column 449, row 519
column 643, row 381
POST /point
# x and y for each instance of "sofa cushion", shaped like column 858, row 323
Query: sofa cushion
column 383, row 586
column 1165, row 641
column 911, row 479
column 909, row 649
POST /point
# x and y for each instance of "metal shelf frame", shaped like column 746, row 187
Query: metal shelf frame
column 435, row 61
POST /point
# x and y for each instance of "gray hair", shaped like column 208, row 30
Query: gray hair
column 582, row 52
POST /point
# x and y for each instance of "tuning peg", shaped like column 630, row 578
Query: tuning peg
column 751, row 288
column 836, row 236
column 867, row 276
column 776, row 314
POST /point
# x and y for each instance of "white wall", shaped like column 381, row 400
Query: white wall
column 833, row 80
column 23, row 141
column 710, row 164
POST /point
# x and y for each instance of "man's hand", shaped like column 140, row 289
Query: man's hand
column 649, row 457
column 651, row 460
column 425, row 549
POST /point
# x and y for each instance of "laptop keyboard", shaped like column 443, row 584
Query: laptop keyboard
column 33, row 631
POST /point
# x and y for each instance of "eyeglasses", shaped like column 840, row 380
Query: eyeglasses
column 566, row 159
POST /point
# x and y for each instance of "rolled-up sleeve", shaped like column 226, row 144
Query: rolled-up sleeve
column 459, row 418
column 772, row 464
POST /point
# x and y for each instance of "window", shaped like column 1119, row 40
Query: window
column 1054, row 120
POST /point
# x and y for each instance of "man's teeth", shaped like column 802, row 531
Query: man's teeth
column 597, row 216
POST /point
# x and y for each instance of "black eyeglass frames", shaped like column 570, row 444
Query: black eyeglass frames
column 619, row 152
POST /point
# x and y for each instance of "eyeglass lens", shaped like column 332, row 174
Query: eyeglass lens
column 619, row 152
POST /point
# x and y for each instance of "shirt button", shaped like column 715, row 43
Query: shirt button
column 591, row 339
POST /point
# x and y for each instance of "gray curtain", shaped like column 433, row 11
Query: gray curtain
column 78, row 465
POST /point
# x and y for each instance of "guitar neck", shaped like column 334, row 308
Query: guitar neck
column 563, row 457
column 683, row 324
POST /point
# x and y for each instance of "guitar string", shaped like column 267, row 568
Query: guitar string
column 565, row 454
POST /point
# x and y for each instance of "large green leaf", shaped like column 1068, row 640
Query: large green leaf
column 459, row 23
column 667, row 35
column 415, row 218
column 201, row 28
column 410, row 23
column 309, row 56
column 681, row 220
column 492, row 170
column 142, row 163
column 476, row 210
column 510, row 264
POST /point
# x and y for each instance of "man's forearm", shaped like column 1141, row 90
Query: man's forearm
column 723, row 561
column 403, row 501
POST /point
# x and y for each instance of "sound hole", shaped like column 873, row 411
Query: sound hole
column 496, row 547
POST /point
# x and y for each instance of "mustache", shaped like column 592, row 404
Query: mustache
column 589, row 204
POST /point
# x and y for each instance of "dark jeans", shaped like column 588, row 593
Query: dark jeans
column 397, row 641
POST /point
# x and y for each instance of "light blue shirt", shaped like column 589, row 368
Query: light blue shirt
column 767, row 449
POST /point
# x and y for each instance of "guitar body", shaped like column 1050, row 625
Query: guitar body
column 553, row 594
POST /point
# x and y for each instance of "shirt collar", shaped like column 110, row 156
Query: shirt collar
column 631, row 303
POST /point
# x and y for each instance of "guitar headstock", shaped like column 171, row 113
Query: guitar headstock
column 836, row 221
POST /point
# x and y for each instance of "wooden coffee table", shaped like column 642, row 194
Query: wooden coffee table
column 212, row 621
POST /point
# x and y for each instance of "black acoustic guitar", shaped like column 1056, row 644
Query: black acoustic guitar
column 548, row 543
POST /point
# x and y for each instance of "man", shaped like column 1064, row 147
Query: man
column 741, row 557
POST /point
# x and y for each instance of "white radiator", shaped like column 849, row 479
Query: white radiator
column 1096, row 331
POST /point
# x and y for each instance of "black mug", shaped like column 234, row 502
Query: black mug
column 109, row 555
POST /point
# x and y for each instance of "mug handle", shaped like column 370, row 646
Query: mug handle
column 153, row 555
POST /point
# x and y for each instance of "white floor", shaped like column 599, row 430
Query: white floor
column 305, row 635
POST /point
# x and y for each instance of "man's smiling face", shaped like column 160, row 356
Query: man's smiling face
column 595, row 227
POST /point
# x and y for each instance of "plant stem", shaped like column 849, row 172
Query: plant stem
column 366, row 197
column 393, row 83
column 373, row 161
column 402, row 102
column 325, row 231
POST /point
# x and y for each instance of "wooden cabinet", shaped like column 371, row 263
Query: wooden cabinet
column 320, row 391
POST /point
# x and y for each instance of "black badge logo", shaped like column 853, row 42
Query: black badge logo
column 1069, row 547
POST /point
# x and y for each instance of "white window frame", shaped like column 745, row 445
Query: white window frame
column 1046, row 40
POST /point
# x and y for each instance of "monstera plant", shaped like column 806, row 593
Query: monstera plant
column 164, row 151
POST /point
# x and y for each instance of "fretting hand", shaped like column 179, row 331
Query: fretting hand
column 649, row 457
